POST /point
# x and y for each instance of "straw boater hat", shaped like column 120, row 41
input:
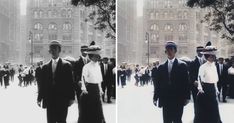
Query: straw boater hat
column 94, row 49
column 55, row 43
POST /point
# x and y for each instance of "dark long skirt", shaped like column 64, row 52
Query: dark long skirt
column 90, row 108
column 207, row 110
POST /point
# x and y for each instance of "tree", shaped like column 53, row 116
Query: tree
column 221, row 16
column 103, row 16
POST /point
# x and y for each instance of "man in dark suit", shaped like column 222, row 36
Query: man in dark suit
column 56, row 91
column 107, row 78
column 77, row 70
column 222, row 70
column 171, row 87
column 193, row 72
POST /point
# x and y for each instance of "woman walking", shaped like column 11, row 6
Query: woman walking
column 91, row 106
column 207, row 110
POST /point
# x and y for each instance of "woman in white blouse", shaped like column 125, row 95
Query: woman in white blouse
column 207, row 110
column 90, row 110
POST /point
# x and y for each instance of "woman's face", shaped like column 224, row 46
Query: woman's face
column 211, row 58
column 95, row 57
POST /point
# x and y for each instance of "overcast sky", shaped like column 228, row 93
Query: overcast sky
column 139, row 7
column 23, row 4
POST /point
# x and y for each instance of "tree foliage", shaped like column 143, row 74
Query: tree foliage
column 103, row 16
column 221, row 16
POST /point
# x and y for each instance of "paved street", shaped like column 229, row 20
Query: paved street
column 135, row 106
column 18, row 105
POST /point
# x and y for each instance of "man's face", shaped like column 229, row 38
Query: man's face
column 170, row 52
column 105, row 61
column 54, row 51
column 83, row 53
column 199, row 53
column 221, row 61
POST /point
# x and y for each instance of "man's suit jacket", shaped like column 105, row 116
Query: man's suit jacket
column 154, row 73
column 108, row 77
column 177, row 90
column 57, row 88
column 223, row 76
column 193, row 70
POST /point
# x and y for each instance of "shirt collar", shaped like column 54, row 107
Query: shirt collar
column 55, row 60
column 83, row 57
column 172, row 60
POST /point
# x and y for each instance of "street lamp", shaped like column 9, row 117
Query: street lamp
column 31, row 41
column 147, row 40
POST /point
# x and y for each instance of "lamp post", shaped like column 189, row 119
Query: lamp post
column 147, row 40
column 31, row 41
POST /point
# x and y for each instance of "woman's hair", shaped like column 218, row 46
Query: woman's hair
column 208, row 55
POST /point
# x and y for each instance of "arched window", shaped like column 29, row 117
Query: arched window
column 63, row 13
column 168, row 27
column 52, row 26
column 154, row 27
column 38, row 26
column 35, row 14
column 69, row 13
column 67, row 26
column 41, row 14
column 49, row 13
column 182, row 27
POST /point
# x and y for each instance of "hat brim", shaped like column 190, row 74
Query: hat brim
column 93, row 52
column 209, row 53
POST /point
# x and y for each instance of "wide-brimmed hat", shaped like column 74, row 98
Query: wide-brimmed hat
column 210, row 50
column 94, row 49
column 84, row 48
column 200, row 48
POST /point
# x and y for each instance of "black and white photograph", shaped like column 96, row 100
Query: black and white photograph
column 175, row 61
column 58, row 61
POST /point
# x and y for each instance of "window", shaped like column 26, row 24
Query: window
column 38, row 26
column 52, row 26
column 40, row 14
column 185, row 15
column 67, row 36
column 53, row 36
column 49, row 13
column 168, row 27
column 183, row 38
column 69, row 15
column 35, row 13
column 63, row 13
column 38, row 37
column 154, row 27
column 165, row 14
column 67, row 26
column 168, row 37
column 151, row 15
column 54, row 14
column 182, row 27
column 156, row 15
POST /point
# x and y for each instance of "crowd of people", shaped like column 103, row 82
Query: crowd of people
column 205, row 79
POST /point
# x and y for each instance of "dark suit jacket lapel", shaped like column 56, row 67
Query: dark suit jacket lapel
column 50, row 71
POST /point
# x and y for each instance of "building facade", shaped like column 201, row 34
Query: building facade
column 127, row 31
column 59, row 20
column 172, row 20
column 9, row 17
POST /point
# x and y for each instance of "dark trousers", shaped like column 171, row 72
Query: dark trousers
column 107, row 87
column 56, row 113
column 222, row 87
column 172, row 113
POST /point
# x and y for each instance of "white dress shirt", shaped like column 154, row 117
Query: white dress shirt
column 170, row 64
column 231, row 71
column 207, row 74
column 54, row 64
column 220, row 68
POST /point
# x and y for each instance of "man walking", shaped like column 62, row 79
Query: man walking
column 171, row 90
column 56, row 90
